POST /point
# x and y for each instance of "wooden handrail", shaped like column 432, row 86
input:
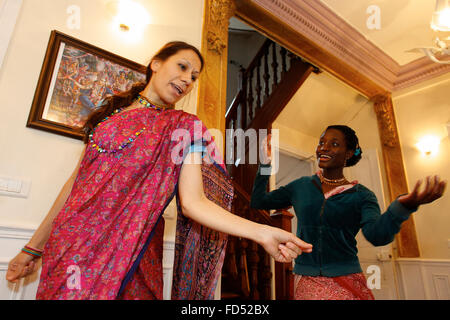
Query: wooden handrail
column 263, row 215
column 257, row 57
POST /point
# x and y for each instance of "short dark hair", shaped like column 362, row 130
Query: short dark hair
column 352, row 143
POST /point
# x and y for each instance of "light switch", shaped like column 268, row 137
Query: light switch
column 3, row 184
column 14, row 187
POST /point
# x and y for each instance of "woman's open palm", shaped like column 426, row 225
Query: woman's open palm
column 434, row 189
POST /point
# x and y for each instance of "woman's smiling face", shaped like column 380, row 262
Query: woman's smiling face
column 332, row 150
column 174, row 78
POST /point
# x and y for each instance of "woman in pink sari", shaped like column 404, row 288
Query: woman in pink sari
column 103, row 237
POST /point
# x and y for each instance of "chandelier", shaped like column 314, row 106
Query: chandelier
column 440, row 23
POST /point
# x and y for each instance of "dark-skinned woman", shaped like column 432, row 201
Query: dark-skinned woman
column 331, row 210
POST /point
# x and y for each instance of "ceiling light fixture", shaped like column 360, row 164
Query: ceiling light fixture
column 440, row 23
column 441, row 16
column 129, row 18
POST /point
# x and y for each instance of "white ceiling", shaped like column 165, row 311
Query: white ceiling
column 404, row 24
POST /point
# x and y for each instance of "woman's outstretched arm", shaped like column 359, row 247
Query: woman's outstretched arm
column 283, row 246
column 23, row 264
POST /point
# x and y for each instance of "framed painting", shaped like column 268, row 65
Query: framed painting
column 75, row 79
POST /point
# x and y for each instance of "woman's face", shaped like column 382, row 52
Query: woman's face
column 173, row 78
column 332, row 150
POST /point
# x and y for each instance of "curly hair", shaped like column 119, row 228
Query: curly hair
column 352, row 143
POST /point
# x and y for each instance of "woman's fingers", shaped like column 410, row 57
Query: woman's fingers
column 439, row 187
column 442, row 186
column 14, row 272
column 294, row 248
column 304, row 246
column 20, row 266
column 434, row 190
column 288, row 252
column 416, row 188
column 291, row 250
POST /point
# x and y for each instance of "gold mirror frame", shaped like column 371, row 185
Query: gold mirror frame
column 212, row 88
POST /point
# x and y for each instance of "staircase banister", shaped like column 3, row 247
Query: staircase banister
column 234, row 104
column 257, row 57
column 264, row 215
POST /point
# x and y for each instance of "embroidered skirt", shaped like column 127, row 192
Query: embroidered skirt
column 348, row 287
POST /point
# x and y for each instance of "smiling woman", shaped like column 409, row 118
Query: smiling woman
column 331, row 210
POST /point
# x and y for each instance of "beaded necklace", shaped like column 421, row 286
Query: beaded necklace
column 143, row 101
column 331, row 182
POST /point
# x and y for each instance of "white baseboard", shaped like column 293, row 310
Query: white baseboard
column 12, row 239
column 424, row 279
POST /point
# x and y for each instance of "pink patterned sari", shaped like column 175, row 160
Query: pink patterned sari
column 106, row 243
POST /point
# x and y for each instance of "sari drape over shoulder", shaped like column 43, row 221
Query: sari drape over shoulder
column 106, row 242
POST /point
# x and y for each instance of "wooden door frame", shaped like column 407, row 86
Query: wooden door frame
column 315, row 33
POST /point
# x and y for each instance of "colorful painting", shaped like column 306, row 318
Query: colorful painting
column 75, row 80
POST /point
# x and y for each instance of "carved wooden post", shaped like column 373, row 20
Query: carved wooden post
column 253, row 260
column 243, row 268
column 265, row 275
column 284, row 284
column 211, row 106
column 395, row 171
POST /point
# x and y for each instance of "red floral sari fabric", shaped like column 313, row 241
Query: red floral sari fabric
column 108, row 236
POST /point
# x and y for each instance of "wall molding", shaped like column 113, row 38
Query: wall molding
column 418, row 71
column 424, row 278
column 18, row 233
column 12, row 238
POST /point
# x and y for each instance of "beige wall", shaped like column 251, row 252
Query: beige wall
column 48, row 159
column 422, row 111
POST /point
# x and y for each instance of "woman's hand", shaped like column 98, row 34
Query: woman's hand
column 266, row 150
column 20, row 266
column 283, row 246
column 434, row 189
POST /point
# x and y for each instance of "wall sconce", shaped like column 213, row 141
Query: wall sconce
column 429, row 145
column 128, row 16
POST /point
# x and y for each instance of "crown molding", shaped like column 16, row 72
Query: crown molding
column 419, row 71
column 326, row 31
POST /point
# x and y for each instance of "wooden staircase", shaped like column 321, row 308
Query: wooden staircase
column 265, row 87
